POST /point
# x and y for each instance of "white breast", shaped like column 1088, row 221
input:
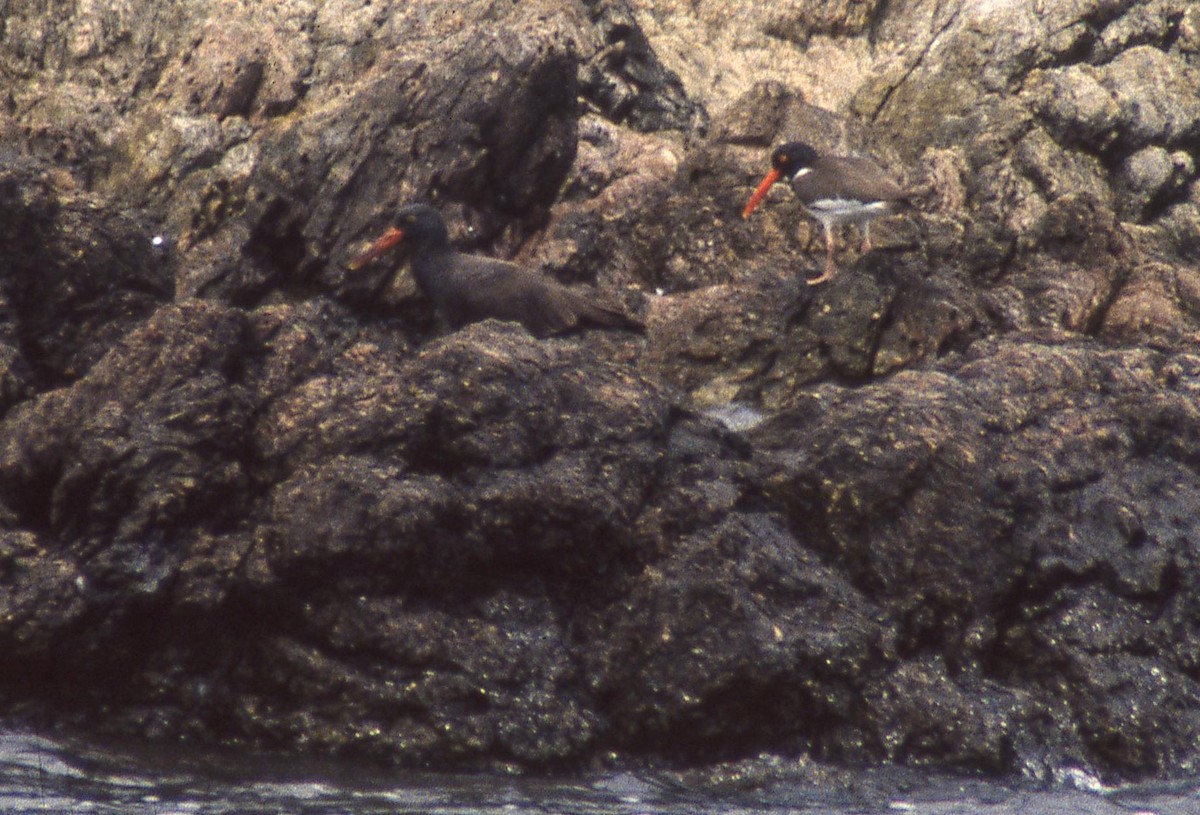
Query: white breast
column 847, row 210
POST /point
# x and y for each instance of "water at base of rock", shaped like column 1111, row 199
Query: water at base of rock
column 42, row 775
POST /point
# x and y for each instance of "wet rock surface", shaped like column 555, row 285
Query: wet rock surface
column 248, row 496
column 1048, row 497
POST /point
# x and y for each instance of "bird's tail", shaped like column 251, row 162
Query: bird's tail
column 605, row 315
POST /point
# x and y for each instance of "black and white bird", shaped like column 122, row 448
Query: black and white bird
column 834, row 190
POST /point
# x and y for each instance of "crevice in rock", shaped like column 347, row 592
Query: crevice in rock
column 914, row 64
column 627, row 83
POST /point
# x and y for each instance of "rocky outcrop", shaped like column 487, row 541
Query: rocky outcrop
column 250, row 497
column 1022, row 513
column 78, row 276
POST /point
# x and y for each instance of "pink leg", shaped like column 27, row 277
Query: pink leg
column 830, row 266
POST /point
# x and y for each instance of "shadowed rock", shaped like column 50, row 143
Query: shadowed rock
column 963, row 537
column 76, row 274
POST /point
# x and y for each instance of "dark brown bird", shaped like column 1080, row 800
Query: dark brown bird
column 833, row 189
column 468, row 288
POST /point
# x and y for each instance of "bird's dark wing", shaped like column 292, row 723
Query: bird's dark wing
column 859, row 179
column 486, row 287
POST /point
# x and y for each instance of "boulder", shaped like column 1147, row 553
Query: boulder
column 77, row 275
column 1021, row 515
column 935, row 512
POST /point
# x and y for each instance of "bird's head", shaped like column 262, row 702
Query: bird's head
column 419, row 224
column 786, row 162
column 792, row 157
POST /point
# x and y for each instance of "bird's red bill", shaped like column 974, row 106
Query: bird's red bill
column 768, row 181
column 383, row 243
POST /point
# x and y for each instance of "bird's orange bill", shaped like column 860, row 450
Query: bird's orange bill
column 768, row 181
column 385, row 242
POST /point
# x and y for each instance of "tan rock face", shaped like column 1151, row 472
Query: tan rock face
column 243, row 66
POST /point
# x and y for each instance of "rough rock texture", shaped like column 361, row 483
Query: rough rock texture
column 250, row 497
column 76, row 276
column 1047, row 492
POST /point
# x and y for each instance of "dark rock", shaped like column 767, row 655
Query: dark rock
column 15, row 373
column 151, row 436
column 624, row 79
column 753, row 353
column 76, row 275
column 287, row 515
column 738, row 634
column 999, row 521
column 761, row 341
column 112, row 477
column 531, row 525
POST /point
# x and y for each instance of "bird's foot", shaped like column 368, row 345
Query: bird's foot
column 826, row 275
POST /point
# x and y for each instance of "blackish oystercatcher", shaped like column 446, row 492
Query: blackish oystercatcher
column 833, row 189
column 468, row 288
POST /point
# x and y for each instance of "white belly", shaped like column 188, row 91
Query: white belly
column 847, row 211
